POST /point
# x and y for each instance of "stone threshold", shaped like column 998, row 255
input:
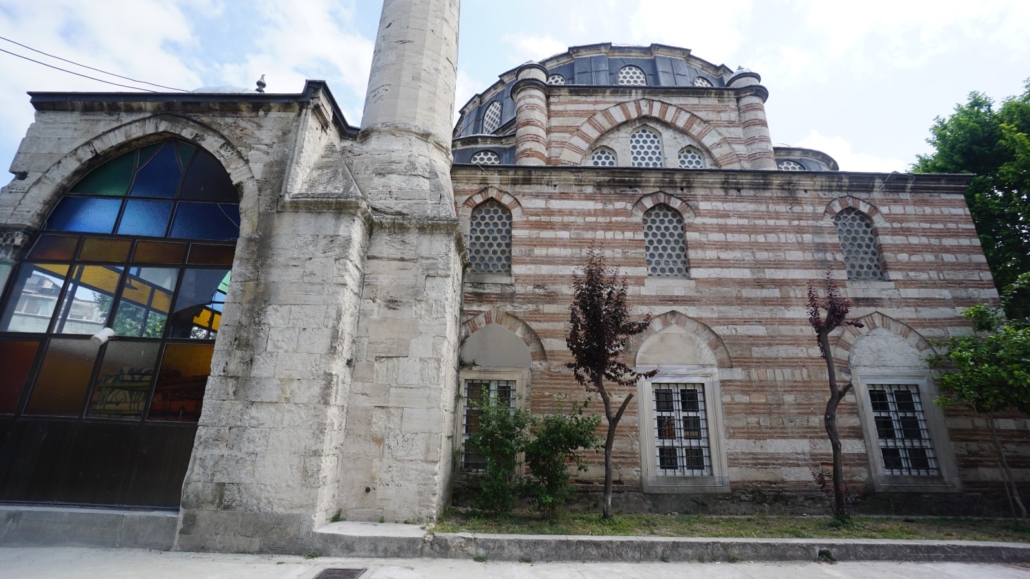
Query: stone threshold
column 66, row 526
column 353, row 539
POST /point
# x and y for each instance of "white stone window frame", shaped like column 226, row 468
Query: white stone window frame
column 948, row 480
column 652, row 481
column 673, row 141
column 518, row 375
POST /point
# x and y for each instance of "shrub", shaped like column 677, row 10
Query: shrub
column 553, row 448
column 499, row 438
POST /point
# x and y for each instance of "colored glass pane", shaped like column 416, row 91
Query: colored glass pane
column 145, row 301
column 198, row 307
column 201, row 254
column 179, row 393
column 17, row 358
column 159, row 252
column 206, row 221
column 145, row 217
column 56, row 247
column 6, row 267
column 111, row 178
column 185, row 153
column 207, row 180
column 103, row 249
column 88, row 215
column 87, row 303
column 147, row 153
column 63, row 378
column 160, row 176
column 34, row 297
column 124, row 379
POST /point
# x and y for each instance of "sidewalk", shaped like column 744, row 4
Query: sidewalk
column 76, row 563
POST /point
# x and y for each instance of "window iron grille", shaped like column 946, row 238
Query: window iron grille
column 681, row 430
column 902, row 432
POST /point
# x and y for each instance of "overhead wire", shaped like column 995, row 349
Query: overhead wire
column 83, row 66
column 75, row 73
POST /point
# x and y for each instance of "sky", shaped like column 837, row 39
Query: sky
column 861, row 81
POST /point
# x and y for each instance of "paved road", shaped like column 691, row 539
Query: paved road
column 70, row 563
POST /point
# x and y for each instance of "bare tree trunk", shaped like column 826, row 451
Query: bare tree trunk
column 609, row 443
column 1006, row 474
column 830, row 420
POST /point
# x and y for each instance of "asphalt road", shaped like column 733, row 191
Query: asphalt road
column 72, row 563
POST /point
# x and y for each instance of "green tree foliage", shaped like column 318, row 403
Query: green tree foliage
column 557, row 438
column 500, row 438
column 601, row 329
column 992, row 143
column 990, row 370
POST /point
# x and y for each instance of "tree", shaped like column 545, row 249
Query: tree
column 995, row 145
column 990, row 369
column 837, row 309
column 601, row 329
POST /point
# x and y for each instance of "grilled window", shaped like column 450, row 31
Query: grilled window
column 490, row 238
column 631, row 76
column 691, row 158
column 902, row 432
column 481, row 390
column 492, row 117
column 646, row 148
column 603, row 157
column 788, row 165
column 556, row 79
column 681, row 430
column 862, row 257
column 664, row 242
column 702, row 82
column 485, row 158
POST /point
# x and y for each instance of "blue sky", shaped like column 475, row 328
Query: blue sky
column 859, row 80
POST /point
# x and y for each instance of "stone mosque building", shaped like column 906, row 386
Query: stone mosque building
column 227, row 317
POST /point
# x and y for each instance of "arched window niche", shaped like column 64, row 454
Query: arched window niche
column 107, row 328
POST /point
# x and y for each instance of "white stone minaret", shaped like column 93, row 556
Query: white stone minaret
column 397, row 445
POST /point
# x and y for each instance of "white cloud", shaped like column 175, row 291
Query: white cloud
column 527, row 48
column 712, row 30
column 849, row 160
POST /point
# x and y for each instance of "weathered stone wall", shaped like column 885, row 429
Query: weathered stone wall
column 753, row 241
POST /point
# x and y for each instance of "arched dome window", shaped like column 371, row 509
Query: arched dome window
column 702, row 82
column 691, row 158
column 665, row 243
column 631, row 76
column 645, row 145
column 139, row 250
column 490, row 238
column 492, row 117
column 556, row 79
column 603, row 157
column 485, row 158
column 862, row 257
column 788, row 165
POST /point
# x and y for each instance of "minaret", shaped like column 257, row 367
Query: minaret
column 396, row 455
column 409, row 108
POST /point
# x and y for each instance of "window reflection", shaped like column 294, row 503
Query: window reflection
column 145, row 301
column 87, row 303
column 123, row 381
column 34, row 298
column 198, row 308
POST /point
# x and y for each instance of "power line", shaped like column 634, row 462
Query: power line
column 75, row 73
column 84, row 66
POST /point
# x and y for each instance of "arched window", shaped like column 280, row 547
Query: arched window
column 556, row 79
column 665, row 244
column 646, row 148
column 788, row 165
column 485, row 158
column 862, row 256
column 139, row 250
column 490, row 238
column 603, row 157
column 691, row 158
column 702, row 82
column 631, row 76
column 492, row 117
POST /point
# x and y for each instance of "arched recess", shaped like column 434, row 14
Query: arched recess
column 502, row 197
column 703, row 333
column 841, row 203
column 662, row 198
column 506, row 320
column 845, row 342
column 47, row 190
column 582, row 141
